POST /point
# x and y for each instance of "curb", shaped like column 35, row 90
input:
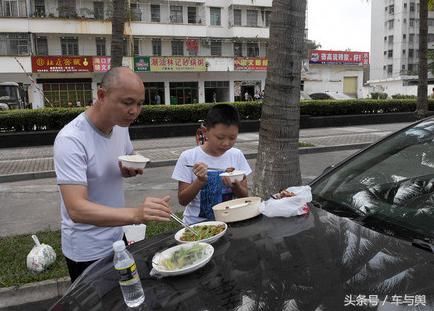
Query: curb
column 33, row 292
column 153, row 164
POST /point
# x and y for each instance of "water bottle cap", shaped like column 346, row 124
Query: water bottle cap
column 119, row 246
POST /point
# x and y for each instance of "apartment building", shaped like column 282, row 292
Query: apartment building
column 395, row 45
column 191, row 51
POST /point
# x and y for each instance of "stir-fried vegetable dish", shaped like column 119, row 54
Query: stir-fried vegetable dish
column 205, row 232
column 184, row 257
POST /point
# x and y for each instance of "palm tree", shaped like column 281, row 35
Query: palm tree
column 277, row 163
column 118, row 23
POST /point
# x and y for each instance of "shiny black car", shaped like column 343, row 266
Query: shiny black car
column 365, row 245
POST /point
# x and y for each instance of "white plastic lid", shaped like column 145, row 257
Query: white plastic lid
column 119, row 246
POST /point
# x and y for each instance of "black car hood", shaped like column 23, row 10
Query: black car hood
column 315, row 262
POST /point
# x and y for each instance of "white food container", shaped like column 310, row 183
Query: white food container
column 237, row 210
column 133, row 161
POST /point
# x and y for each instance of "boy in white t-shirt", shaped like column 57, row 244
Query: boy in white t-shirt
column 200, row 188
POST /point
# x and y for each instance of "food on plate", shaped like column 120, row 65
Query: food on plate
column 204, row 231
column 184, row 257
column 283, row 194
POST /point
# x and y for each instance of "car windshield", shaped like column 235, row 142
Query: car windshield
column 390, row 185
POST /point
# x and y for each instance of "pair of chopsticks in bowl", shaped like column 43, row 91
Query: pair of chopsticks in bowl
column 187, row 227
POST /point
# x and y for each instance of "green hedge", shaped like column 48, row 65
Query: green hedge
column 56, row 118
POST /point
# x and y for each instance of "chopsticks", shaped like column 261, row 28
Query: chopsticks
column 210, row 168
column 179, row 220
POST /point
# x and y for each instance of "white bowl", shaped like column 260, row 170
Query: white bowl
column 208, row 251
column 210, row 240
column 238, row 209
column 234, row 175
column 133, row 161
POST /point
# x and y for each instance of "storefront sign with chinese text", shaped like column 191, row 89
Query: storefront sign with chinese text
column 178, row 63
column 339, row 57
column 251, row 63
column 62, row 64
column 101, row 63
column 141, row 63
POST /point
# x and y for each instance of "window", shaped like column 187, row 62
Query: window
column 238, row 49
column 41, row 46
column 390, row 53
column 155, row 13
column 67, row 8
column 391, row 9
column 15, row 8
column 385, row 38
column 385, row 53
column 98, row 10
column 403, row 52
column 390, row 39
column 183, row 93
column 100, row 46
column 69, row 45
column 267, row 18
column 410, row 52
column 177, row 47
column 216, row 48
column 237, row 17
column 412, row 6
column 252, row 50
column 411, row 37
column 252, row 18
column 215, row 17
column 136, row 13
column 405, row 5
column 403, row 67
column 59, row 94
column 191, row 15
column 389, row 69
column 391, row 24
column 156, row 47
column 136, row 46
column 404, row 36
column 176, row 14
column 39, row 8
column 14, row 44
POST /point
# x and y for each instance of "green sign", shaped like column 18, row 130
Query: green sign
column 141, row 63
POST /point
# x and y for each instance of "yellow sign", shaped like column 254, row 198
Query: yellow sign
column 177, row 63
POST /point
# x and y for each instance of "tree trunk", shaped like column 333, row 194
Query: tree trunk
column 277, row 164
column 118, row 23
column 422, row 88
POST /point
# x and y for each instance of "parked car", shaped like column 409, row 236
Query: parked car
column 365, row 245
column 330, row 95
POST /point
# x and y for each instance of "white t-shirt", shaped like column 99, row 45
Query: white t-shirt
column 83, row 155
column 231, row 158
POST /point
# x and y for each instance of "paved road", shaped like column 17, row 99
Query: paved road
column 33, row 204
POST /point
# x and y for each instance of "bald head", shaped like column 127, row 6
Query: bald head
column 116, row 76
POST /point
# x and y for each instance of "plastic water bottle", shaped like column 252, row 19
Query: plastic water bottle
column 129, row 281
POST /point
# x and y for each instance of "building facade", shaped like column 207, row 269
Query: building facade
column 395, row 46
column 185, row 51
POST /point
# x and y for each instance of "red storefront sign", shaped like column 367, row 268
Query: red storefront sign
column 251, row 63
column 101, row 63
column 62, row 64
column 339, row 57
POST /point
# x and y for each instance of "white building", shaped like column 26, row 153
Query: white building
column 186, row 51
column 395, row 46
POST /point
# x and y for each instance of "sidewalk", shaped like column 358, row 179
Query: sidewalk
column 36, row 162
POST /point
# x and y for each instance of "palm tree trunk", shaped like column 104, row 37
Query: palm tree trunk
column 422, row 88
column 277, row 164
column 118, row 23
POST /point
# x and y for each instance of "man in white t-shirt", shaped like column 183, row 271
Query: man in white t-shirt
column 89, row 174
column 200, row 188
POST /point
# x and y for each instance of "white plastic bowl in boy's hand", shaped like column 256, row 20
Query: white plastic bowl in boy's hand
column 234, row 175
column 133, row 161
